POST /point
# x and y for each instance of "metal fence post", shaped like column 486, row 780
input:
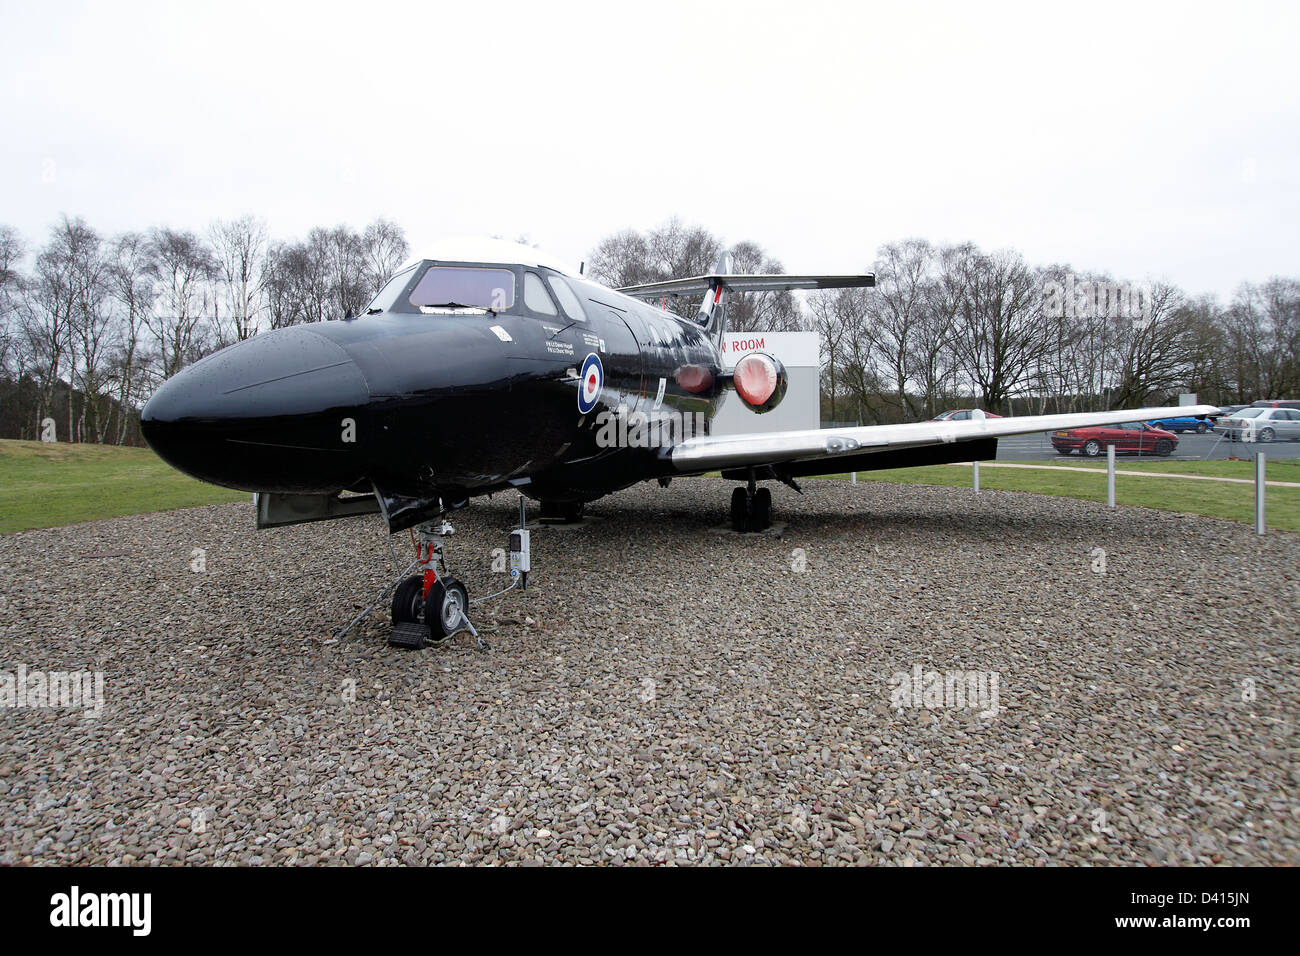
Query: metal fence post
column 1110, row 476
column 1260, row 485
column 976, row 466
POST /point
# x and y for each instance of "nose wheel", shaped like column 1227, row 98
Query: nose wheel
column 430, row 607
column 446, row 609
column 751, row 509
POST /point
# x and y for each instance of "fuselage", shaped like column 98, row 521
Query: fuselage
column 447, row 398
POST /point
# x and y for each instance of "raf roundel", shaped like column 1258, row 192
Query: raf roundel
column 590, row 383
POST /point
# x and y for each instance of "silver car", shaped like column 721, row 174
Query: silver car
column 1262, row 424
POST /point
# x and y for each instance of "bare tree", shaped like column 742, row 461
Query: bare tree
column 50, row 301
column 677, row 249
column 837, row 316
column 132, row 282
column 1264, row 332
column 760, row 311
column 621, row 260
column 185, row 267
column 11, row 253
column 91, row 328
column 240, row 251
column 1154, row 351
column 1000, row 334
column 341, row 255
column 896, row 311
column 383, row 250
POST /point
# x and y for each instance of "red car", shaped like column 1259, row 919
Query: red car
column 960, row 415
column 1135, row 438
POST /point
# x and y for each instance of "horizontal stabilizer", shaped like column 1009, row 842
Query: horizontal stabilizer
column 696, row 285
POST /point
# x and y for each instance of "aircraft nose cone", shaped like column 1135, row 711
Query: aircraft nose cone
column 279, row 412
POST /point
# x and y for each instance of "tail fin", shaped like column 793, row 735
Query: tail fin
column 713, row 309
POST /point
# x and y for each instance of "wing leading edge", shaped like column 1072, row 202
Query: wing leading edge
column 731, row 451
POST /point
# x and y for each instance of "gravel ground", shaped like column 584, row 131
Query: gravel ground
column 666, row 692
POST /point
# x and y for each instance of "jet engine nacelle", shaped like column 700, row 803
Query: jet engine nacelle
column 760, row 380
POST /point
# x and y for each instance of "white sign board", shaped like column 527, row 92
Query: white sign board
column 794, row 349
column 800, row 353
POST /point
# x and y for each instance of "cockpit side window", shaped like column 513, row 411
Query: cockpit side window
column 569, row 300
column 536, row 297
column 465, row 287
column 389, row 294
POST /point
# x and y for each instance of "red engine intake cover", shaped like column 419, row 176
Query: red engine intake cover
column 760, row 381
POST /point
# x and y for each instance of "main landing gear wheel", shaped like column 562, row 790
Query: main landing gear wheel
column 739, row 510
column 445, row 609
column 751, row 510
column 760, row 510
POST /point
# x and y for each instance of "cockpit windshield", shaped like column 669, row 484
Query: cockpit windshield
column 464, row 287
column 389, row 293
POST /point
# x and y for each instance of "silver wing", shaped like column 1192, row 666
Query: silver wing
column 829, row 444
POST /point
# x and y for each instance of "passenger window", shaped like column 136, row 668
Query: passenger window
column 569, row 300
column 536, row 297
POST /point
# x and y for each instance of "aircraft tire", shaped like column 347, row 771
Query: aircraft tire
column 447, row 598
column 406, row 600
column 760, row 510
column 739, row 510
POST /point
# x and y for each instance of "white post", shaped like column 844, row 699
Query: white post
column 1259, row 493
column 853, row 478
column 1110, row 476
column 976, row 466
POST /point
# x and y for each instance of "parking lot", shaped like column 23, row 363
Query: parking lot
column 1191, row 447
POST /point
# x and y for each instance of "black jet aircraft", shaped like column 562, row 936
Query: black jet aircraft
column 484, row 366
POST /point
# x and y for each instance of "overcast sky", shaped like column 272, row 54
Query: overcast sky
column 1148, row 141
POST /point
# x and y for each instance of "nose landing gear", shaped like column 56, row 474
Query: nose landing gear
column 430, row 607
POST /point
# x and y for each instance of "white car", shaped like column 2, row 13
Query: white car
column 1262, row 424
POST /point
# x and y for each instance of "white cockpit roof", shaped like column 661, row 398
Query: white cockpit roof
column 490, row 250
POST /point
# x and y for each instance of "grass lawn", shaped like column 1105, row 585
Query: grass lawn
column 1212, row 498
column 1279, row 469
column 44, row 484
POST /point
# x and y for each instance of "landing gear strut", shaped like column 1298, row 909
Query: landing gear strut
column 751, row 508
column 430, row 606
